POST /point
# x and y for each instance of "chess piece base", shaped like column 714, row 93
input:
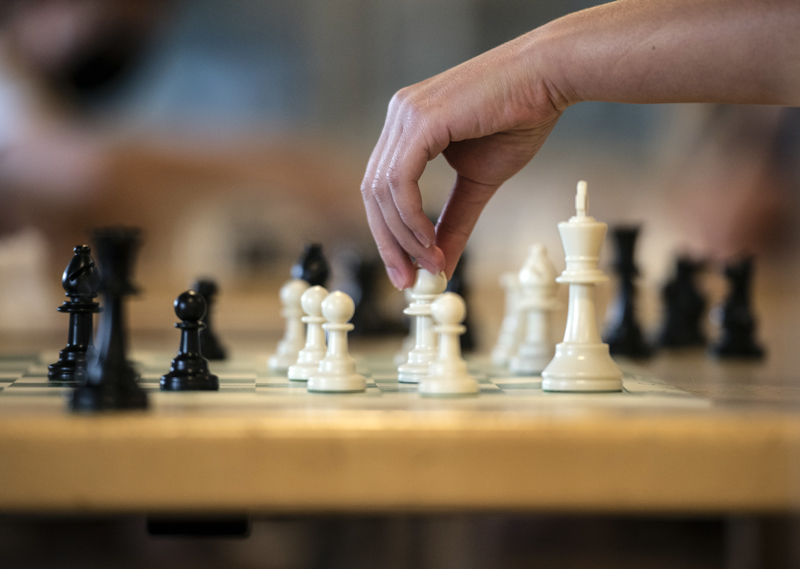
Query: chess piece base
column 531, row 361
column 301, row 372
column 281, row 362
column 582, row 367
column 201, row 381
column 337, row 384
column 444, row 386
column 93, row 397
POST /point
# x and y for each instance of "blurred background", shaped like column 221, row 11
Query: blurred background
column 233, row 131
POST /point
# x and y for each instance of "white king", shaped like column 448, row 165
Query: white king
column 582, row 361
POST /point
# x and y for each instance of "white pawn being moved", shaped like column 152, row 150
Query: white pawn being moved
column 582, row 361
column 315, row 348
column 336, row 372
column 537, row 280
column 427, row 287
column 448, row 375
column 293, row 339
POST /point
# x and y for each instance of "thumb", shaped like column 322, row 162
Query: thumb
column 458, row 218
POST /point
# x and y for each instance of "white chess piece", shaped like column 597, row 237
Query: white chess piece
column 427, row 287
column 448, row 374
column 582, row 361
column 337, row 370
column 293, row 339
column 538, row 299
column 511, row 330
column 411, row 339
column 315, row 348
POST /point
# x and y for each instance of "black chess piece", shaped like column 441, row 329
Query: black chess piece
column 684, row 308
column 624, row 336
column 210, row 346
column 111, row 382
column 189, row 370
column 312, row 266
column 738, row 324
column 81, row 280
column 458, row 285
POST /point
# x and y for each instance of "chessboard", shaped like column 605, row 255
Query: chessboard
column 246, row 382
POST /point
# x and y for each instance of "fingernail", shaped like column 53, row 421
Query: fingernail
column 424, row 241
column 430, row 267
column 395, row 277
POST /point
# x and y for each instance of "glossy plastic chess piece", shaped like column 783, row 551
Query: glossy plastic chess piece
column 337, row 370
column 294, row 337
column 309, row 357
column 189, row 369
column 210, row 346
column 624, row 336
column 459, row 284
column 684, row 307
column 582, row 361
column 111, row 382
column 312, row 266
column 511, row 330
column 738, row 332
column 427, row 287
column 81, row 281
column 537, row 301
column 410, row 340
column 448, row 374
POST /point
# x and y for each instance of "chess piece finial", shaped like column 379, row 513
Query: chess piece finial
column 314, row 350
column 427, row 287
column 537, row 280
column 624, row 336
column 448, row 374
column 294, row 338
column 737, row 339
column 582, row 361
column 210, row 346
column 111, row 382
column 189, row 370
column 312, row 266
column 337, row 370
column 80, row 281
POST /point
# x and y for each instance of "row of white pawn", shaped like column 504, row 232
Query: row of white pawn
column 330, row 368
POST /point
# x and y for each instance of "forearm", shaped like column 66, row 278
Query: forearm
column 671, row 51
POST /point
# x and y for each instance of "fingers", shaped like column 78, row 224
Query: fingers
column 458, row 219
column 392, row 196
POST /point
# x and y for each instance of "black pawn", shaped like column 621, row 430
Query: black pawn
column 210, row 346
column 624, row 336
column 312, row 266
column 111, row 382
column 189, row 370
column 738, row 323
column 81, row 280
column 684, row 308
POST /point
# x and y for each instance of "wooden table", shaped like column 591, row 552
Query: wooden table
column 737, row 450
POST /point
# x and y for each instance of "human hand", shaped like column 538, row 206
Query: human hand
column 488, row 117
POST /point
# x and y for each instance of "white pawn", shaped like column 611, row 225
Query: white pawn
column 582, row 361
column 448, row 374
column 411, row 339
column 427, row 287
column 537, row 300
column 315, row 348
column 511, row 330
column 337, row 370
column 293, row 338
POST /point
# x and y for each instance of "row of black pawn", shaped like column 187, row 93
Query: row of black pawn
column 684, row 307
column 100, row 370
